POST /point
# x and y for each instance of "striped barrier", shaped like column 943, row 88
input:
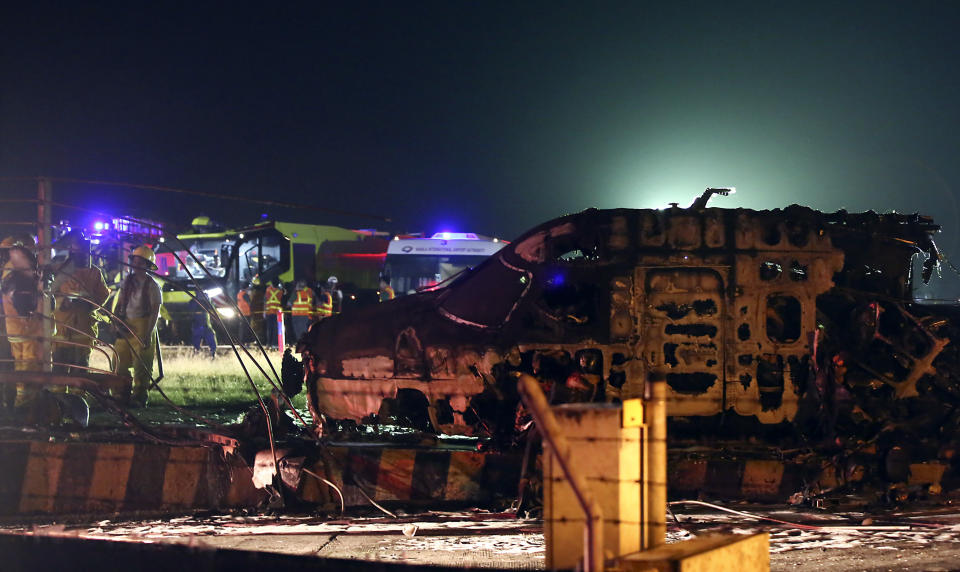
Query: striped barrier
column 412, row 476
column 773, row 480
column 40, row 477
column 753, row 479
column 60, row 478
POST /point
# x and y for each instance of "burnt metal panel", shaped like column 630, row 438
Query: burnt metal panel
column 682, row 336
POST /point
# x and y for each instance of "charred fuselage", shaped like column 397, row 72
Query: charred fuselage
column 776, row 318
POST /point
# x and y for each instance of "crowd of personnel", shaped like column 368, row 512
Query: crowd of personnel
column 53, row 313
column 297, row 309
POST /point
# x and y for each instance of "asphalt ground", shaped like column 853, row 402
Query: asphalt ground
column 918, row 539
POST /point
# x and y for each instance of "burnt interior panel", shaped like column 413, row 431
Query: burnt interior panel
column 696, row 330
column 691, row 383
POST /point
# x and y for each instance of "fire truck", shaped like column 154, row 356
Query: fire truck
column 221, row 262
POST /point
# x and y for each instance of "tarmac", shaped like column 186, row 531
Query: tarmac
column 801, row 539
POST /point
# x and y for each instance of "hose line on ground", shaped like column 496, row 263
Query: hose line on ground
column 343, row 505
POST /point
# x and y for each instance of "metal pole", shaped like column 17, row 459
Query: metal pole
column 539, row 408
column 655, row 413
column 281, row 333
column 44, row 239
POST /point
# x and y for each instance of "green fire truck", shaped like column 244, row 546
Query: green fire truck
column 261, row 254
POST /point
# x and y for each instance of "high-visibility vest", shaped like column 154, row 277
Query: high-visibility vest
column 325, row 309
column 387, row 294
column 243, row 303
column 273, row 303
column 303, row 305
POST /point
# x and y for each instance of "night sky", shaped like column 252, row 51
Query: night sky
column 485, row 116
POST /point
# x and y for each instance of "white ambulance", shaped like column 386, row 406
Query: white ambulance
column 419, row 263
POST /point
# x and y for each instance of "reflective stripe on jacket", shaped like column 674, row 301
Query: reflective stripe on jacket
column 325, row 309
column 387, row 294
column 303, row 305
column 273, row 302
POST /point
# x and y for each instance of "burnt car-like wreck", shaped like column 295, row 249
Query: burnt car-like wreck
column 794, row 325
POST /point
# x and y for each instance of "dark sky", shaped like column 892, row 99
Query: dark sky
column 486, row 116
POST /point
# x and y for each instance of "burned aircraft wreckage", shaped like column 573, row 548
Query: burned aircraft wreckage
column 794, row 327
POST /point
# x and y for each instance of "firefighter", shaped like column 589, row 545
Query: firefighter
column 245, row 323
column 303, row 309
column 386, row 291
column 272, row 305
column 138, row 305
column 76, row 319
column 325, row 307
column 8, row 392
column 23, row 305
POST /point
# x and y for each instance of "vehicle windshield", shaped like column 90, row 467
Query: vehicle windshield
column 213, row 253
column 410, row 273
column 259, row 255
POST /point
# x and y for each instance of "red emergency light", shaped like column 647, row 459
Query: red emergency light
column 366, row 255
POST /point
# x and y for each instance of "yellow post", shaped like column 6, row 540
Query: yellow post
column 539, row 408
column 655, row 414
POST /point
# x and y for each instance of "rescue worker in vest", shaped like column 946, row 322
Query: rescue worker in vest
column 325, row 305
column 201, row 330
column 386, row 291
column 24, row 305
column 272, row 304
column 257, row 298
column 245, row 323
column 76, row 319
column 138, row 305
column 303, row 306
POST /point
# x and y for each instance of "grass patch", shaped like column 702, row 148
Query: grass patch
column 195, row 380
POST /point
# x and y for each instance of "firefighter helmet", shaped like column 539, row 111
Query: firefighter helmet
column 145, row 252
column 72, row 245
column 332, row 281
column 25, row 240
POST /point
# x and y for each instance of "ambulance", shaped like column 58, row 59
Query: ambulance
column 416, row 263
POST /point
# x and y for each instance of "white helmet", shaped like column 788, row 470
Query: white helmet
column 332, row 281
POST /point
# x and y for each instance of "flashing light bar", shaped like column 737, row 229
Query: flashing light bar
column 122, row 224
column 454, row 236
